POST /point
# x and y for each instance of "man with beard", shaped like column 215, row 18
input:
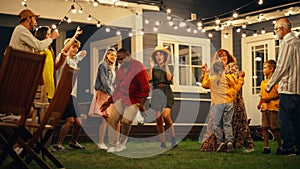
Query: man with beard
column 23, row 39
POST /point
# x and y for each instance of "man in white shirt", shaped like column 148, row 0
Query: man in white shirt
column 287, row 73
column 23, row 39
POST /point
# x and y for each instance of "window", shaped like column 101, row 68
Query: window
column 188, row 54
column 259, row 56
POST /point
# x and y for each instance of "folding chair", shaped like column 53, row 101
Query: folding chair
column 52, row 117
column 20, row 74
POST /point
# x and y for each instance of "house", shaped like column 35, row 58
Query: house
column 142, row 25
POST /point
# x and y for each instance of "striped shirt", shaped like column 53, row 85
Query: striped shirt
column 287, row 71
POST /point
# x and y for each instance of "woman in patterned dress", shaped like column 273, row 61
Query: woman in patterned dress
column 240, row 126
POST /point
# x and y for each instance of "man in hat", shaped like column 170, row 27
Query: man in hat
column 128, row 98
column 23, row 39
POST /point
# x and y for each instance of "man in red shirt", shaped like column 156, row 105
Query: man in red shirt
column 129, row 96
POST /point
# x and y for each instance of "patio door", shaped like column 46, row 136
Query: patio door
column 255, row 51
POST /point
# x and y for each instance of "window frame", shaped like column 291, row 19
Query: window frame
column 188, row 41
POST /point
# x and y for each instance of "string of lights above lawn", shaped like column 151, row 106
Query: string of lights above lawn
column 204, row 25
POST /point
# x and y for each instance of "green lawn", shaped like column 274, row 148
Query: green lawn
column 186, row 155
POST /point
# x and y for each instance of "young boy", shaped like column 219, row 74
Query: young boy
column 223, row 91
column 269, row 105
column 69, row 56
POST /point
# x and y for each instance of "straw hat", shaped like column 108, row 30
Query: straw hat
column 161, row 49
column 27, row 13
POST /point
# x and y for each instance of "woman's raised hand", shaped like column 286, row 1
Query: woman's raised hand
column 151, row 62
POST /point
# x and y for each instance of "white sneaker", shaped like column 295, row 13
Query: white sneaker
column 102, row 146
column 112, row 149
column 248, row 151
column 117, row 148
column 121, row 147
column 18, row 150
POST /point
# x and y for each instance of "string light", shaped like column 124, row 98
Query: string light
column 235, row 14
column 24, row 3
column 254, row 33
column 244, row 34
column 244, row 26
column 199, row 23
column 142, row 32
column 98, row 24
column 226, row 36
column 260, row 2
column 157, row 23
column 188, row 29
column 53, row 26
column 168, row 11
column 73, row 9
column 170, row 19
column 147, row 21
column 218, row 21
column 171, row 23
column 80, row 10
column 95, row 3
column 89, row 18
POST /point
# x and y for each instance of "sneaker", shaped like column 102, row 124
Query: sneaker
column 278, row 151
column 267, row 150
column 221, row 147
column 59, row 147
column 229, row 147
column 163, row 145
column 102, row 146
column 76, row 146
column 18, row 150
column 111, row 149
column 248, row 150
column 117, row 148
column 287, row 151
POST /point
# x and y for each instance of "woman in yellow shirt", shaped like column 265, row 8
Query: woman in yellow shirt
column 42, row 33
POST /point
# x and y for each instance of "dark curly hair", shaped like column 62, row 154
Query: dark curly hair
column 162, row 52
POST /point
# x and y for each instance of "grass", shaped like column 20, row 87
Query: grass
column 186, row 156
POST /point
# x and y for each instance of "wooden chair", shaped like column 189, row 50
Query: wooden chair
column 20, row 74
column 51, row 118
column 40, row 104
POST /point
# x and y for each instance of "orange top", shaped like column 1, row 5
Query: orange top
column 272, row 105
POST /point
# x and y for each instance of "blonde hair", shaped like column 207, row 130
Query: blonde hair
column 105, row 58
column 75, row 43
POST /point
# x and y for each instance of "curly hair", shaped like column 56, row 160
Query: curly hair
column 161, row 52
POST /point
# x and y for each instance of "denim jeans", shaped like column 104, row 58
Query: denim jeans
column 222, row 114
column 289, row 120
